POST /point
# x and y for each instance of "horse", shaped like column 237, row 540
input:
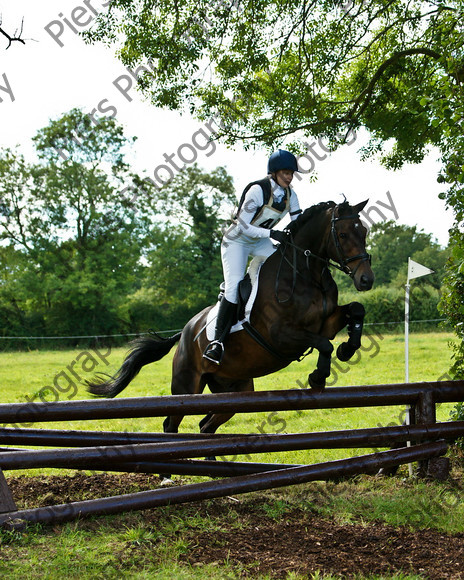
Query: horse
column 295, row 311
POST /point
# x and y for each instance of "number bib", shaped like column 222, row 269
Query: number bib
column 268, row 216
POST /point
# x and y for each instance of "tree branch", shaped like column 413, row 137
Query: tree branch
column 364, row 98
column 352, row 116
column 15, row 38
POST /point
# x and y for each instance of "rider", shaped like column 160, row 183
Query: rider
column 264, row 203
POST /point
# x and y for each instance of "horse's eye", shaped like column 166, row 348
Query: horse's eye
column 342, row 236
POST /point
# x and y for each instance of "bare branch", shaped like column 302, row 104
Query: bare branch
column 15, row 38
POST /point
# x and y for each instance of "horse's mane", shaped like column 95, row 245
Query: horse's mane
column 309, row 214
column 314, row 211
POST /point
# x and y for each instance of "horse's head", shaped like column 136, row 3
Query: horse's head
column 347, row 244
column 335, row 233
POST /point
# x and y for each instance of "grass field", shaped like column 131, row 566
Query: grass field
column 133, row 546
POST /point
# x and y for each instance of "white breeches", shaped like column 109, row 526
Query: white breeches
column 234, row 262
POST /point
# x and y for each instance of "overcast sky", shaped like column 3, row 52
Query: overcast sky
column 55, row 71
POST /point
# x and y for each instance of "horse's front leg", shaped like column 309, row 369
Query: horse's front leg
column 351, row 315
column 317, row 378
column 354, row 315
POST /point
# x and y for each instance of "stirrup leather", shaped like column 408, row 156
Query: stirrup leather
column 210, row 347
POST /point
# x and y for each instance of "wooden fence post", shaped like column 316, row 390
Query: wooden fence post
column 7, row 503
column 425, row 414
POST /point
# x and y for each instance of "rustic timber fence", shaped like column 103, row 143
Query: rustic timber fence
column 176, row 453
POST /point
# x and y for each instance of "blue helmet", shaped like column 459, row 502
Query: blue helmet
column 282, row 159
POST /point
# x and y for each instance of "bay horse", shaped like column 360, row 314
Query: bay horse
column 296, row 309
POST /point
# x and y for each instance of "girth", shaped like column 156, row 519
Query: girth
column 257, row 337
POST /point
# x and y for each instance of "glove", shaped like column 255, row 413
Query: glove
column 279, row 236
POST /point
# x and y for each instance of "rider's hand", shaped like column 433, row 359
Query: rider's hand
column 279, row 236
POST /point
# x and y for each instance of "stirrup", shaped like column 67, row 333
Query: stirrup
column 210, row 348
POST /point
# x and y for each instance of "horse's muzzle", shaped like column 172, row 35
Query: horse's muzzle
column 364, row 281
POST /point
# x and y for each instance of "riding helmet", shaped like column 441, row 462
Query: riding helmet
column 282, row 159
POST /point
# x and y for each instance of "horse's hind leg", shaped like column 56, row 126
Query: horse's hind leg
column 183, row 383
column 213, row 421
column 204, row 421
column 171, row 423
column 354, row 315
column 210, row 424
column 186, row 382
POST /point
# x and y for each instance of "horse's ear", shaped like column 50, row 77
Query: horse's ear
column 358, row 208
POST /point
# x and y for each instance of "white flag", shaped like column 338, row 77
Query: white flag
column 416, row 270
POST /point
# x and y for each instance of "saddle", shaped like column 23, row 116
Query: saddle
column 244, row 292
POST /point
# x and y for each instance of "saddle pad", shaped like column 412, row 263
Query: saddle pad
column 253, row 272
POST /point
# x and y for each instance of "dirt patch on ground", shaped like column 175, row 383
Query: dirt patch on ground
column 306, row 544
column 245, row 536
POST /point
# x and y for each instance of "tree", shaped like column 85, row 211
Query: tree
column 183, row 264
column 319, row 67
column 88, row 248
column 67, row 216
column 452, row 306
column 392, row 244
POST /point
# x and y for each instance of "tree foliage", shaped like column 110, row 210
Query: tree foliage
column 271, row 69
column 391, row 245
column 86, row 250
column 452, row 302
column 184, row 268
column 64, row 221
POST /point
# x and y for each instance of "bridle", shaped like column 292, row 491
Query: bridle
column 343, row 261
column 341, row 264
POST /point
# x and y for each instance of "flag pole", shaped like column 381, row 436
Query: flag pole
column 406, row 357
column 406, row 333
column 415, row 270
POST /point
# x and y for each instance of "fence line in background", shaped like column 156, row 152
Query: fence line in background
column 128, row 334
column 85, row 336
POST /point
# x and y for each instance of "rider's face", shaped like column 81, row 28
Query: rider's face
column 284, row 177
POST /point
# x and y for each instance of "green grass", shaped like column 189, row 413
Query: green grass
column 133, row 546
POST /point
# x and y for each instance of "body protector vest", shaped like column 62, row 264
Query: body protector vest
column 271, row 212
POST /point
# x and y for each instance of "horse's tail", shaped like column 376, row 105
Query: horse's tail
column 144, row 350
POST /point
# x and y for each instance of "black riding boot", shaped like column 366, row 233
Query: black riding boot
column 215, row 350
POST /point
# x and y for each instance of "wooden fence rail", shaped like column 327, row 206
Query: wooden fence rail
column 147, row 452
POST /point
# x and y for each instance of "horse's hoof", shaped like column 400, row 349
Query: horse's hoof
column 345, row 352
column 317, row 388
column 316, row 382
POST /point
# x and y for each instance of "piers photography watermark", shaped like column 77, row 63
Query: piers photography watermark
column 64, row 384
column 5, row 87
column 77, row 20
